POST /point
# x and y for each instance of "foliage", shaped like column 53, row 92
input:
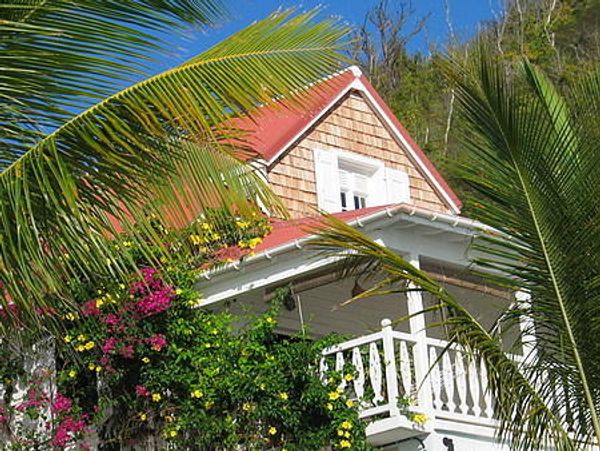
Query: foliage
column 533, row 171
column 144, row 360
column 561, row 37
column 159, row 147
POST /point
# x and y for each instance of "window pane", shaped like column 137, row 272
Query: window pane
column 343, row 199
column 356, row 202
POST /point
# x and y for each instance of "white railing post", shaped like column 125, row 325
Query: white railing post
column 391, row 375
column 417, row 330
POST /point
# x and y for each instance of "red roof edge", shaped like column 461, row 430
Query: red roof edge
column 426, row 161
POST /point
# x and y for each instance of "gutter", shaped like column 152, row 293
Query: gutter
column 389, row 212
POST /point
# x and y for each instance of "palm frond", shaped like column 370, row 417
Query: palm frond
column 533, row 172
column 160, row 145
column 60, row 56
column 508, row 379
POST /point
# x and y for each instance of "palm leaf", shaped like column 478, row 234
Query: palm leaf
column 59, row 56
column 159, row 145
column 532, row 169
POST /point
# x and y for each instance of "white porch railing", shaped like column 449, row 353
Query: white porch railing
column 386, row 367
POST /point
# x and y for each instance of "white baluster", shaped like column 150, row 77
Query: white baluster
column 461, row 382
column 405, row 370
column 391, row 373
column 485, row 388
column 375, row 373
column 448, row 379
column 475, row 387
column 436, row 385
column 323, row 368
column 359, row 378
column 339, row 367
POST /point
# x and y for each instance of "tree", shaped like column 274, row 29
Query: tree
column 532, row 163
column 81, row 163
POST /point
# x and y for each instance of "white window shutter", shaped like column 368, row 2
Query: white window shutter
column 397, row 186
column 328, row 181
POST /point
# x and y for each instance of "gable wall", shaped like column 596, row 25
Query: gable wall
column 353, row 127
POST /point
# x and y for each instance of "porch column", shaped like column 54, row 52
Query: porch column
column 414, row 301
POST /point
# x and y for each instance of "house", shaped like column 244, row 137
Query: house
column 346, row 153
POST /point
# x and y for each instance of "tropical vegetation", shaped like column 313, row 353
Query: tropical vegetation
column 145, row 362
column 90, row 147
column 531, row 166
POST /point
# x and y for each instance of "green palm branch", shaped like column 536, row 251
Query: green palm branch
column 160, row 145
column 532, row 167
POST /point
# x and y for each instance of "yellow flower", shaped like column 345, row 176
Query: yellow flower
column 420, row 418
column 247, row 407
column 173, row 433
column 145, row 360
column 283, row 395
column 346, row 425
column 72, row 374
column 197, row 394
column 99, row 303
column 348, row 377
column 91, row 367
column 71, row 316
column 347, row 434
column 208, row 404
column 89, row 345
column 340, row 433
column 67, row 339
column 334, row 395
column 178, row 291
column 81, row 337
column 270, row 320
column 329, row 406
column 143, row 416
column 122, row 286
column 156, row 397
column 272, row 430
column 80, row 348
column 345, row 444
column 98, row 369
column 349, row 403
column 262, row 387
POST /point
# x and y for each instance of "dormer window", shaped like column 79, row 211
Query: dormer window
column 347, row 181
column 354, row 188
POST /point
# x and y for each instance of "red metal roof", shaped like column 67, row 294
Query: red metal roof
column 287, row 231
column 284, row 232
column 273, row 129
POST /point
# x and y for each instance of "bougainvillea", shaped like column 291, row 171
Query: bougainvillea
column 145, row 360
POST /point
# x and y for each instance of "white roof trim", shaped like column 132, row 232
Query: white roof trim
column 358, row 85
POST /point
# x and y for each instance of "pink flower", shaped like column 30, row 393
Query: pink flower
column 90, row 308
column 109, row 345
column 66, row 428
column 127, row 352
column 157, row 342
column 111, row 319
column 142, row 391
column 154, row 303
column 61, row 404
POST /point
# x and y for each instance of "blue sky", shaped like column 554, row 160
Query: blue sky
column 466, row 14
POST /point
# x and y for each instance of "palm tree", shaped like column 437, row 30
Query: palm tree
column 81, row 161
column 532, row 170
